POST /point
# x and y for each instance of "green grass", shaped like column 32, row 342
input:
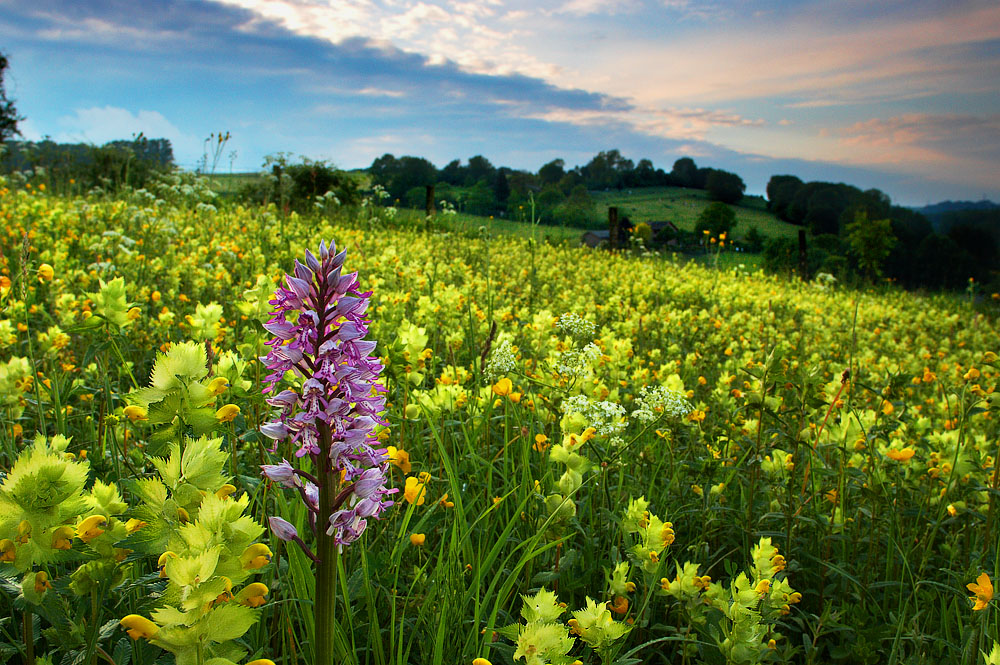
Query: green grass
column 470, row 224
column 228, row 184
column 682, row 207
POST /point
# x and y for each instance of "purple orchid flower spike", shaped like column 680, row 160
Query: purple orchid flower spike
column 330, row 413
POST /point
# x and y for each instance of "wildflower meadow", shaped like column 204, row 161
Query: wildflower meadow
column 239, row 435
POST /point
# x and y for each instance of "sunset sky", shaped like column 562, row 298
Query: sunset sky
column 903, row 96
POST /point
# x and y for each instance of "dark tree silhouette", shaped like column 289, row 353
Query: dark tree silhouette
column 8, row 113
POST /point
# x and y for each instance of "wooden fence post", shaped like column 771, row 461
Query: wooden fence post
column 430, row 200
column 803, row 256
column 613, row 226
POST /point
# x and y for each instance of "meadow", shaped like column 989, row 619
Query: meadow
column 592, row 457
column 682, row 206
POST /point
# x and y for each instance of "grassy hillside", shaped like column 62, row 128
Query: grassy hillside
column 682, row 207
column 676, row 204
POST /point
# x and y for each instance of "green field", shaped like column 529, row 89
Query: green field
column 228, row 184
column 622, row 457
column 682, row 207
column 676, row 204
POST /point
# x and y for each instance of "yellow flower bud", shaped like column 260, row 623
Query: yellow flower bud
column 90, row 528
column 417, row 539
column 62, row 538
column 161, row 563
column 134, row 412
column 218, row 385
column 227, row 413
column 225, row 491
column 256, row 556
column 139, row 626
column 42, row 583
column 23, row 532
column 252, row 595
column 134, row 525
column 46, row 272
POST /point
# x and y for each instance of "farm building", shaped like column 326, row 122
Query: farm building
column 595, row 238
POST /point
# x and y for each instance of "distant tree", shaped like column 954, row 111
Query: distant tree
column 910, row 229
column 577, row 209
column 781, row 255
column 870, row 242
column 700, row 178
column 453, row 173
column 8, row 113
column 552, row 173
column 754, row 240
column 874, row 203
column 644, row 175
column 315, row 178
column 944, row 264
column 979, row 244
column 155, row 152
column 781, row 190
column 685, row 172
column 398, row 176
column 384, row 169
column 479, row 168
column 416, row 198
column 823, row 211
column 724, row 186
column 546, row 202
column 607, row 170
column 521, row 182
column 570, row 180
column 479, row 199
column 717, row 218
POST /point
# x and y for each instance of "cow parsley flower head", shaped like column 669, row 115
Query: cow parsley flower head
column 607, row 418
column 655, row 400
column 501, row 361
column 319, row 328
column 575, row 362
column 575, row 325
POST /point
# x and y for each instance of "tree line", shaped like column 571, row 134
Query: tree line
column 559, row 194
column 855, row 230
column 113, row 165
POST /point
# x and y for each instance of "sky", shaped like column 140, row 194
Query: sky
column 903, row 96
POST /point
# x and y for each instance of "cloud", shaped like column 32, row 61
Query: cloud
column 680, row 124
column 947, row 138
column 99, row 125
column 585, row 7
column 952, row 147
column 470, row 34
column 526, row 78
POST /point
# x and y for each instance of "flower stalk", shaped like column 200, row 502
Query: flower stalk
column 330, row 415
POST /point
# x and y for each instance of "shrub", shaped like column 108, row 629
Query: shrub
column 718, row 218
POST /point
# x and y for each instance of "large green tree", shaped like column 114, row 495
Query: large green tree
column 781, row 190
column 717, row 218
column 8, row 113
column 724, row 186
column 870, row 243
column 685, row 172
